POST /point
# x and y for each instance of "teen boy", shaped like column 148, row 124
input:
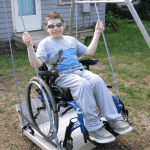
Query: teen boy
column 88, row 90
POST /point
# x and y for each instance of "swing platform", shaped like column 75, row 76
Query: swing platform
column 78, row 141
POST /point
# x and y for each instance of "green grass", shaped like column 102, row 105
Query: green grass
column 21, row 64
column 130, row 58
column 24, row 72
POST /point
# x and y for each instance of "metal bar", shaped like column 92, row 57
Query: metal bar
column 138, row 21
column 102, row 1
column 71, row 17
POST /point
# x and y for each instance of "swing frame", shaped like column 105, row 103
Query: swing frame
column 19, row 110
column 130, row 7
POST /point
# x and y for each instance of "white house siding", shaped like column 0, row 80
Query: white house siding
column 3, row 26
column 47, row 6
column 84, row 19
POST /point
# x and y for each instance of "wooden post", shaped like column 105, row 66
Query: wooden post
column 71, row 17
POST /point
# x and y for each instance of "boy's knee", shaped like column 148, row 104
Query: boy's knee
column 84, row 83
column 97, row 79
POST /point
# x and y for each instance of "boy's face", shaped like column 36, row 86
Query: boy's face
column 55, row 30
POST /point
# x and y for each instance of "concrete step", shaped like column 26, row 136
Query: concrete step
column 37, row 36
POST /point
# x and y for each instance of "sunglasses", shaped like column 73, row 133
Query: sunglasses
column 58, row 25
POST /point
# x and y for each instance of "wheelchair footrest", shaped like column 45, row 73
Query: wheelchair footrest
column 108, row 128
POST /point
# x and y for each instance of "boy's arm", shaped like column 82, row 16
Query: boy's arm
column 93, row 45
column 27, row 39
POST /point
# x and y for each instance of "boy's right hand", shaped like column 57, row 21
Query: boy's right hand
column 27, row 39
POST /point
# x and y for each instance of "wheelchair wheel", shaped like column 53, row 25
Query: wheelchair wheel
column 39, row 109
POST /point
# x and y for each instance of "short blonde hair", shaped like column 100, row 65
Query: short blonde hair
column 53, row 15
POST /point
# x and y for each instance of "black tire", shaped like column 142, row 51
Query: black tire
column 39, row 109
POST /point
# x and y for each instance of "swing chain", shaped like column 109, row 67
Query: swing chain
column 108, row 54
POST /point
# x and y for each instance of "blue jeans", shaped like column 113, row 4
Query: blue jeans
column 88, row 91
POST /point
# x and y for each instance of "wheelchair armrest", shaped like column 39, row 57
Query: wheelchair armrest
column 48, row 73
column 87, row 62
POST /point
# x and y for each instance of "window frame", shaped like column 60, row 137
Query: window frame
column 64, row 3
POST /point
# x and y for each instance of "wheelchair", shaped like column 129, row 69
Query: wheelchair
column 57, row 98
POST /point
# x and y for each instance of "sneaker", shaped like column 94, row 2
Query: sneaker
column 120, row 126
column 101, row 136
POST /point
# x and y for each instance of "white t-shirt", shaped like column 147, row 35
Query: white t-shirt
column 61, row 54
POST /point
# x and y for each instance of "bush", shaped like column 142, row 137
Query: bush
column 112, row 23
column 142, row 8
column 123, row 11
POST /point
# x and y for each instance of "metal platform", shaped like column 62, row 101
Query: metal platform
column 78, row 141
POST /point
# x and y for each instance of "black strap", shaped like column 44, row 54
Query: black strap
column 125, row 111
column 28, row 126
column 66, row 110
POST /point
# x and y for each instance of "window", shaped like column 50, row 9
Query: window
column 63, row 2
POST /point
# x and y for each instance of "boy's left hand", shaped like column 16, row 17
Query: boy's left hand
column 99, row 27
